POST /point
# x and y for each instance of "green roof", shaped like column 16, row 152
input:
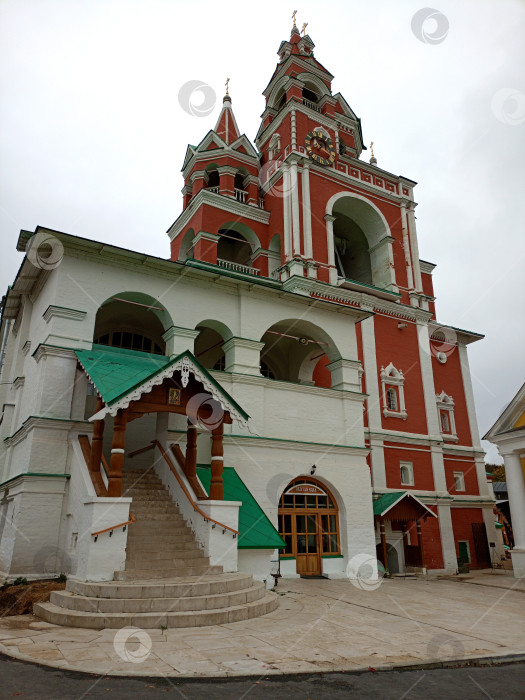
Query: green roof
column 116, row 372
column 384, row 502
column 255, row 529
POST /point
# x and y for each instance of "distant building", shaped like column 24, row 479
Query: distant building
column 508, row 433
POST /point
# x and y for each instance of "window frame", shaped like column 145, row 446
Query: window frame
column 410, row 467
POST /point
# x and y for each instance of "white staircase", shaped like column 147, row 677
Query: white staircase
column 167, row 581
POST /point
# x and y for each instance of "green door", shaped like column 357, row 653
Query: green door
column 463, row 552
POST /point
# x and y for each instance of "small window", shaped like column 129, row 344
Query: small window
column 445, row 422
column 391, row 396
column 459, row 481
column 407, row 474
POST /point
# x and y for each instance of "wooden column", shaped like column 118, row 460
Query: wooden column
column 383, row 543
column 405, row 545
column 217, row 463
column 420, row 542
column 117, row 455
column 190, row 462
column 96, row 445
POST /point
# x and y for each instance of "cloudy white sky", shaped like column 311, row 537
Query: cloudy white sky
column 93, row 136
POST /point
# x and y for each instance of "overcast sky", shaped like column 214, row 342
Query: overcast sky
column 93, row 135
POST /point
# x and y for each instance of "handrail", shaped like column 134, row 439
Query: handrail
column 105, row 465
column 141, row 450
column 96, row 477
column 128, row 522
column 187, row 493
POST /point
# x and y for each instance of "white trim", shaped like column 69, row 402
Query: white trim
column 390, row 378
column 118, row 451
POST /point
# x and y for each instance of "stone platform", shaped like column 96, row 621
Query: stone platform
column 320, row 625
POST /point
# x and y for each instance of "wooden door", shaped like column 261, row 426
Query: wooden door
column 308, row 549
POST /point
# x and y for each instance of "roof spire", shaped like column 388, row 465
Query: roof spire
column 226, row 126
column 303, row 30
column 294, row 28
column 373, row 159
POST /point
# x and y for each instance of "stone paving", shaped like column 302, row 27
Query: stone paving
column 321, row 625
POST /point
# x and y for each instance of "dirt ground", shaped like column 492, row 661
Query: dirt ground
column 18, row 600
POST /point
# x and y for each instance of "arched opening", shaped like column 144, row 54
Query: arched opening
column 208, row 344
column 310, row 95
column 392, row 557
column 236, row 245
column 233, row 247
column 309, row 524
column 362, row 248
column 186, row 247
column 292, row 351
column 239, row 184
column 132, row 321
column 212, row 176
column 274, row 255
column 352, row 258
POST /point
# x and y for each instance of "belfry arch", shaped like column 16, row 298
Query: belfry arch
column 359, row 242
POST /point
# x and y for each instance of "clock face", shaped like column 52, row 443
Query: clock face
column 320, row 147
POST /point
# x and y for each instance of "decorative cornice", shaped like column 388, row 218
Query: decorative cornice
column 63, row 312
column 53, row 351
column 296, row 445
column 34, row 422
column 237, row 342
column 179, row 332
column 26, row 347
column 227, row 204
column 19, row 382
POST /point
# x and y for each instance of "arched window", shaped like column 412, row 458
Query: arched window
column 445, row 406
column 213, row 180
column 393, row 391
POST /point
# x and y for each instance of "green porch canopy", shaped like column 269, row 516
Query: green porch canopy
column 255, row 529
column 122, row 376
column 388, row 500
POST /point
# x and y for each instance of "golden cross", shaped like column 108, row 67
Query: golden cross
column 372, row 148
column 227, row 81
column 293, row 17
column 303, row 30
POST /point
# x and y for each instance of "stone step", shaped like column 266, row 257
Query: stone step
column 154, row 507
column 69, row 601
column 154, row 555
column 154, row 620
column 134, row 563
column 164, row 517
column 168, row 547
column 174, row 588
column 169, row 572
column 162, row 539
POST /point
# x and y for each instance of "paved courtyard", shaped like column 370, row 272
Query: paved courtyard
column 321, row 625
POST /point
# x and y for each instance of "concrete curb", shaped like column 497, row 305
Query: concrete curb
column 489, row 660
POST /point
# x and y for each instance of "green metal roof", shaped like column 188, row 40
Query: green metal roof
column 383, row 504
column 255, row 529
column 386, row 501
column 116, row 372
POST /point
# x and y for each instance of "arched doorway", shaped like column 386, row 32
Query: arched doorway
column 309, row 524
